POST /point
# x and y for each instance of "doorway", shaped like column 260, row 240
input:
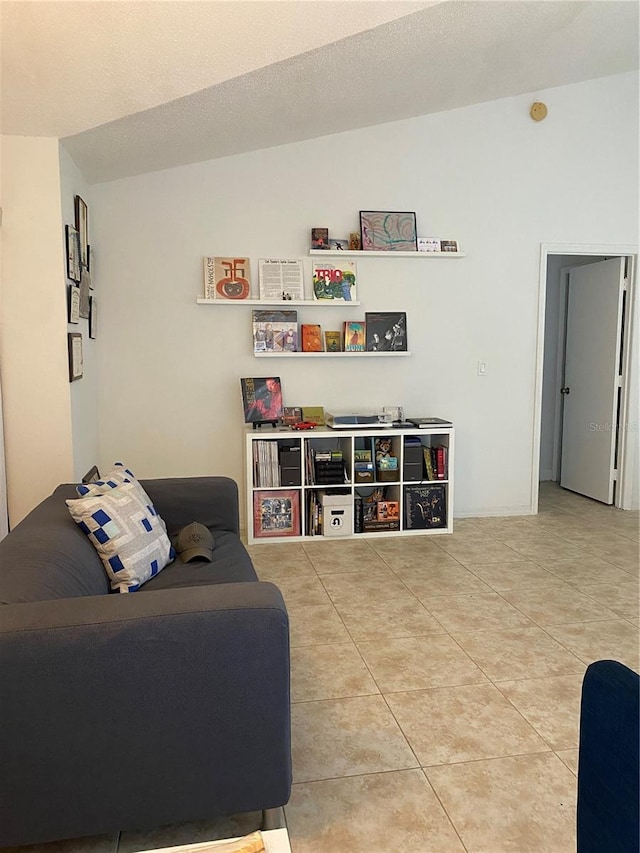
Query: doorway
column 555, row 265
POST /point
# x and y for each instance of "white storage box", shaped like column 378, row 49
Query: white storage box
column 337, row 515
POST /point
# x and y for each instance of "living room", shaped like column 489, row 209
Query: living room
column 161, row 384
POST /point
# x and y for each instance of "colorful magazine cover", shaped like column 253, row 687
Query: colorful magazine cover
column 261, row 399
column 227, row 278
column 275, row 331
column 354, row 336
column 334, row 281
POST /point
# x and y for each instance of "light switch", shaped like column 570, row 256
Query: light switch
column 482, row 368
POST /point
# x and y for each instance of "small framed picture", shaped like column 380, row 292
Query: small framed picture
column 319, row 238
column 448, row 245
column 74, row 340
column 82, row 227
column 388, row 231
column 339, row 245
column 73, row 253
column 93, row 317
column 74, row 304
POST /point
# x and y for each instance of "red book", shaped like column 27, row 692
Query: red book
column 311, row 337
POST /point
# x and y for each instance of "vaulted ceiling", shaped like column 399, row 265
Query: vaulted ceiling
column 136, row 86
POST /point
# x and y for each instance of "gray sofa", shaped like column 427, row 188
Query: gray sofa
column 133, row 711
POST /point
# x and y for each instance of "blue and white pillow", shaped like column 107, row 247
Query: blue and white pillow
column 130, row 537
column 120, row 474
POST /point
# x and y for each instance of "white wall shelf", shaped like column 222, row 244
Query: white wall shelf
column 329, row 354
column 368, row 254
column 310, row 303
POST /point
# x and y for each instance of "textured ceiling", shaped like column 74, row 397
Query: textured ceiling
column 155, row 89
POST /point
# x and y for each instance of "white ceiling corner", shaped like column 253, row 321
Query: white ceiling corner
column 109, row 76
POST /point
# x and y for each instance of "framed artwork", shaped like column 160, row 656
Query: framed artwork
column 74, row 304
column 73, row 253
column 74, row 340
column 93, row 317
column 82, row 227
column 388, row 231
column 84, row 295
column 276, row 513
column 261, row 399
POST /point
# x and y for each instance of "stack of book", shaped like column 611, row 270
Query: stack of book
column 435, row 460
column 266, row 465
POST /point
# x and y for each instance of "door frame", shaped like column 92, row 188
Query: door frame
column 626, row 450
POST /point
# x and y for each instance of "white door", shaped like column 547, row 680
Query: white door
column 592, row 378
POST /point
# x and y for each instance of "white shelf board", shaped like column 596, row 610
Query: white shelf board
column 329, row 354
column 369, row 254
column 318, row 303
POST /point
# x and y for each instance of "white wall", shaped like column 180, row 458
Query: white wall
column 84, row 392
column 33, row 341
column 487, row 175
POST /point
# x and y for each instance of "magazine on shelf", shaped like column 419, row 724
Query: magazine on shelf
column 261, row 399
column 335, row 281
column 280, row 280
column 227, row 278
column 275, row 331
column 386, row 331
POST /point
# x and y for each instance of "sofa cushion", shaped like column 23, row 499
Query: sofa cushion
column 46, row 556
column 118, row 475
column 230, row 564
column 131, row 541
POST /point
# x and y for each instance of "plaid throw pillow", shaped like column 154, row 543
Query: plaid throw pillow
column 129, row 537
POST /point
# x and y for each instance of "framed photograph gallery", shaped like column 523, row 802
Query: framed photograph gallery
column 388, row 231
column 73, row 253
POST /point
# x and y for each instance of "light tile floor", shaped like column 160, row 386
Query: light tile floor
column 436, row 682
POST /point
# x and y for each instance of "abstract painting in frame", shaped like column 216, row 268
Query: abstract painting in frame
column 388, row 231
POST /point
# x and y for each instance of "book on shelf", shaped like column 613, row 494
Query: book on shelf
column 261, row 399
column 280, row 280
column 386, row 331
column 313, row 414
column 424, row 423
column 275, row 331
column 429, row 463
column 424, row 506
column 311, row 337
column 276, row 513
column 332, row 341
column 266, row 464
column 354, row 336
column 334, row 281
column 227, row 278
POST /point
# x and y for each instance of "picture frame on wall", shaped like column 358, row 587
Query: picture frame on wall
column 388, row 231
column 74, row 304
column 73, row 253
column 82, row 227
column 76, row 369
column 84, row 295
column 93, row 317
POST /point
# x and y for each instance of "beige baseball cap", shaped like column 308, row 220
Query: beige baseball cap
column 195, row 541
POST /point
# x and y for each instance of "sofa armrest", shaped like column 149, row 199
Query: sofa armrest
column 132, row 711
column 213, row 501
